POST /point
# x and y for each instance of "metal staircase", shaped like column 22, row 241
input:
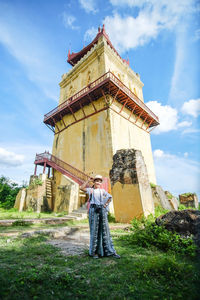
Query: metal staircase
column 48, row 160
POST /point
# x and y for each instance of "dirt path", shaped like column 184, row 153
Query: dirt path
column 72, row 240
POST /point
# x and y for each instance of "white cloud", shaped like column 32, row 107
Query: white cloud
column 168, row 117
column 154, row 16
column 89, row 6
column 69, row 21
column 21, row 155
column 191, row 107
column 184, row 124
column 8, row 158
column 90, row 34
column 190, row 130
column 29, row 46
column 178, row 174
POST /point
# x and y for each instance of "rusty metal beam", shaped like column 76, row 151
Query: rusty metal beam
column 132, row 112
column 92, row 102
column 62, row 120
column 149, row 124
column 83, row 118
column 82, row 109
column 123, row 106
column 115, row 95
column 139, row 116
column 144, row 121
column 72, row 113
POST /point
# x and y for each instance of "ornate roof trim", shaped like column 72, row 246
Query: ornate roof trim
column 73, row 57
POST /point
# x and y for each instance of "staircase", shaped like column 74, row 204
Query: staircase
column 49, row 192
column 50, row 160
column 79, row 214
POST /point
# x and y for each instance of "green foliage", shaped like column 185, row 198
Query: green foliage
column 169, row 196
column 188, row 194
column 20, row 223
column 111, row 218
column 152, row 185
column 35, row 182
column 182, row 207
column 145, row 233
column 152, row 235
column 8, row 192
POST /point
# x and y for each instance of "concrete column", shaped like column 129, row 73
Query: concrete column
column 44, row 169
column 35, row 172
column 49, row 172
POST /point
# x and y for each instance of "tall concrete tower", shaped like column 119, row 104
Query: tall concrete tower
column 101, row 110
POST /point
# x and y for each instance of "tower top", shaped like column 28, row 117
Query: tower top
column 74, row 57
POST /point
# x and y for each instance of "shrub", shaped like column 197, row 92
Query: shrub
column 148, row 234
column 152, row 185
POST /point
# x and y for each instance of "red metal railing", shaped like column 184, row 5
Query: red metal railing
column 48, row 157
column 104, row 78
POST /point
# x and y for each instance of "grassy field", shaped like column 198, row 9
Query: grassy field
column 15, row 214
column 154, row 264
column 33, row 269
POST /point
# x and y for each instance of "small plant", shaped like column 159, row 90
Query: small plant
column 152, row 185
column 182, row 207
column 20, row 223
column 111, row 218
column 188, row 194
column 36, row 182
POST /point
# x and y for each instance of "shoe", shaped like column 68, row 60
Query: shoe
column 116, row 255
column 95, row 256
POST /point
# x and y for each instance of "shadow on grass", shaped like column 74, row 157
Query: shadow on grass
column 32, row 269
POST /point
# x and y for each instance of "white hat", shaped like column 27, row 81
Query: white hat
column 98, row 177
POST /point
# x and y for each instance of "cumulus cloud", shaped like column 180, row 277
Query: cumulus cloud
column 8, row 158
column 191, row 107
column 69, row 21
column 168, row 117
column 88, row 5
column 177, row 173
column 154, row 16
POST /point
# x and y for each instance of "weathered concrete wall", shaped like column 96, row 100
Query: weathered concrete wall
column 66, row 193
column 20, row 200
column 130, row 186
column 126, row 135
column 86, row 145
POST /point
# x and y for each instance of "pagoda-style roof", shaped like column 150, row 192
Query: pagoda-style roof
column 107, row 84
column 73, row 58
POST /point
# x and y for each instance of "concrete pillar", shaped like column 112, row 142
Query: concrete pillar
column 35, row 172
column 44, row 168
column 131, row 189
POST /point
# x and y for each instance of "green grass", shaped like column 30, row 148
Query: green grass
column 15, row 214
column 32, row 269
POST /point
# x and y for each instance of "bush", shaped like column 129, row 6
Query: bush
column 146, row 233
column 8, row 192
column 159, row 237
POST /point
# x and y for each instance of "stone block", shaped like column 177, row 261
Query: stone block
column 131, row 190
column 189, row 200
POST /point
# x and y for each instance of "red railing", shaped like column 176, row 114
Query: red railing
column 106, row 77
column 48, row 157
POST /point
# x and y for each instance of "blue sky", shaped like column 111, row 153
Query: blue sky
column 161, row 40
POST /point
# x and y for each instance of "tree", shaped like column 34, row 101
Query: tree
column 8, row 192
